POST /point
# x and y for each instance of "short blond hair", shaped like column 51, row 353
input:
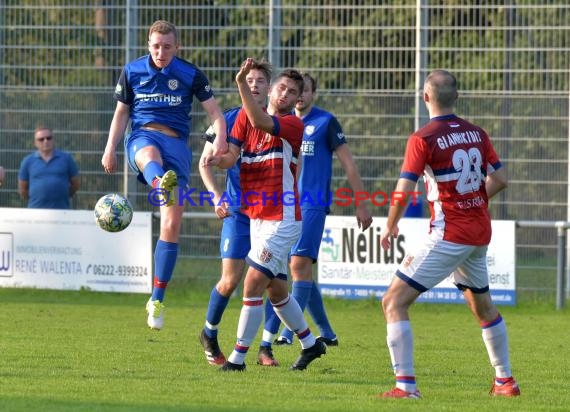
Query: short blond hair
column 163, row 27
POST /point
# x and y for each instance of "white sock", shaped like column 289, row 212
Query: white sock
column 291, row 315
column 400, row 342
column 249, row 320
column 209, row 326
column 497, row 344
column 267, row 336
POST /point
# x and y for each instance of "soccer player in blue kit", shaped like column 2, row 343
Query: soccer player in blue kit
column 322, row 137
column 155, row 93
column 235, row 237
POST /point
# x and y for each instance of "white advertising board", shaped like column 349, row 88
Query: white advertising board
column 353, row 265
column 65, row 249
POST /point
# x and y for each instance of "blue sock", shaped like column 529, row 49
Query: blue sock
column 272, row 321
column 151, row 171
column 301, row 293
column 165, row 254
column 317, row 311
column 216, row 307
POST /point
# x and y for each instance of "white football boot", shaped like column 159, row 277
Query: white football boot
column 155, row 310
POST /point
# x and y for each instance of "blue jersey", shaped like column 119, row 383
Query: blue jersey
column 235, row 238
column 321, row 136
column 232, row 176
column 48, row 182
column 162, row 96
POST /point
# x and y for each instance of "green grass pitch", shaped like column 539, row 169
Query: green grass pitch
column 87, row 351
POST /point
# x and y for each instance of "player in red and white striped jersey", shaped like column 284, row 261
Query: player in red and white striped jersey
column 269, row 142
column 462, row 172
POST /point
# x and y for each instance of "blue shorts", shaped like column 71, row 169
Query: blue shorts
column 235, row 240
column 311, row 234
column 175, row 153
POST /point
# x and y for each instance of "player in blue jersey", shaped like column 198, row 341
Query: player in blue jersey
column 235, row 238
column 322, row 137
column 155, row 92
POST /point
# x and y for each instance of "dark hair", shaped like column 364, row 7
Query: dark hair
column 293, row 75
column 307, row 76
column 442, row 86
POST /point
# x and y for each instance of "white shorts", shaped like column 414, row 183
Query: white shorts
column 436, row 259
column 271, row 242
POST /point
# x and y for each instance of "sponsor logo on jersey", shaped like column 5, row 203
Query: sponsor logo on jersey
column 308, row 148
column 172, row 100
column 310, row 129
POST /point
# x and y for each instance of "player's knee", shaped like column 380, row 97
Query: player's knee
column 386, row 303
column 301, row 268
column 393, row 306
column 227, row 284
column 170, row 227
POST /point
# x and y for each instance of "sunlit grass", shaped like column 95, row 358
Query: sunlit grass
column 85, row 351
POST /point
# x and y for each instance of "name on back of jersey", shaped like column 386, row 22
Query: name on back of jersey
column 452, row 139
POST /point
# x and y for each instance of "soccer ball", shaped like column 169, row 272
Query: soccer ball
column 113, row 212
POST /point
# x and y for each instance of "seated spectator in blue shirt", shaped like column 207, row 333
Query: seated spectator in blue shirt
column 48, row 178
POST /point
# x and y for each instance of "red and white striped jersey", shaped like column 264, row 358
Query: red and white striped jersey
column 268, row 174
column 454, row 157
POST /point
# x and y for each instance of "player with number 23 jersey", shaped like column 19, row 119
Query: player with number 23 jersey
column 455, row 157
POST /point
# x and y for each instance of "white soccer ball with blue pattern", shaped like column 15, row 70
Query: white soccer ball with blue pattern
column 113, row 212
